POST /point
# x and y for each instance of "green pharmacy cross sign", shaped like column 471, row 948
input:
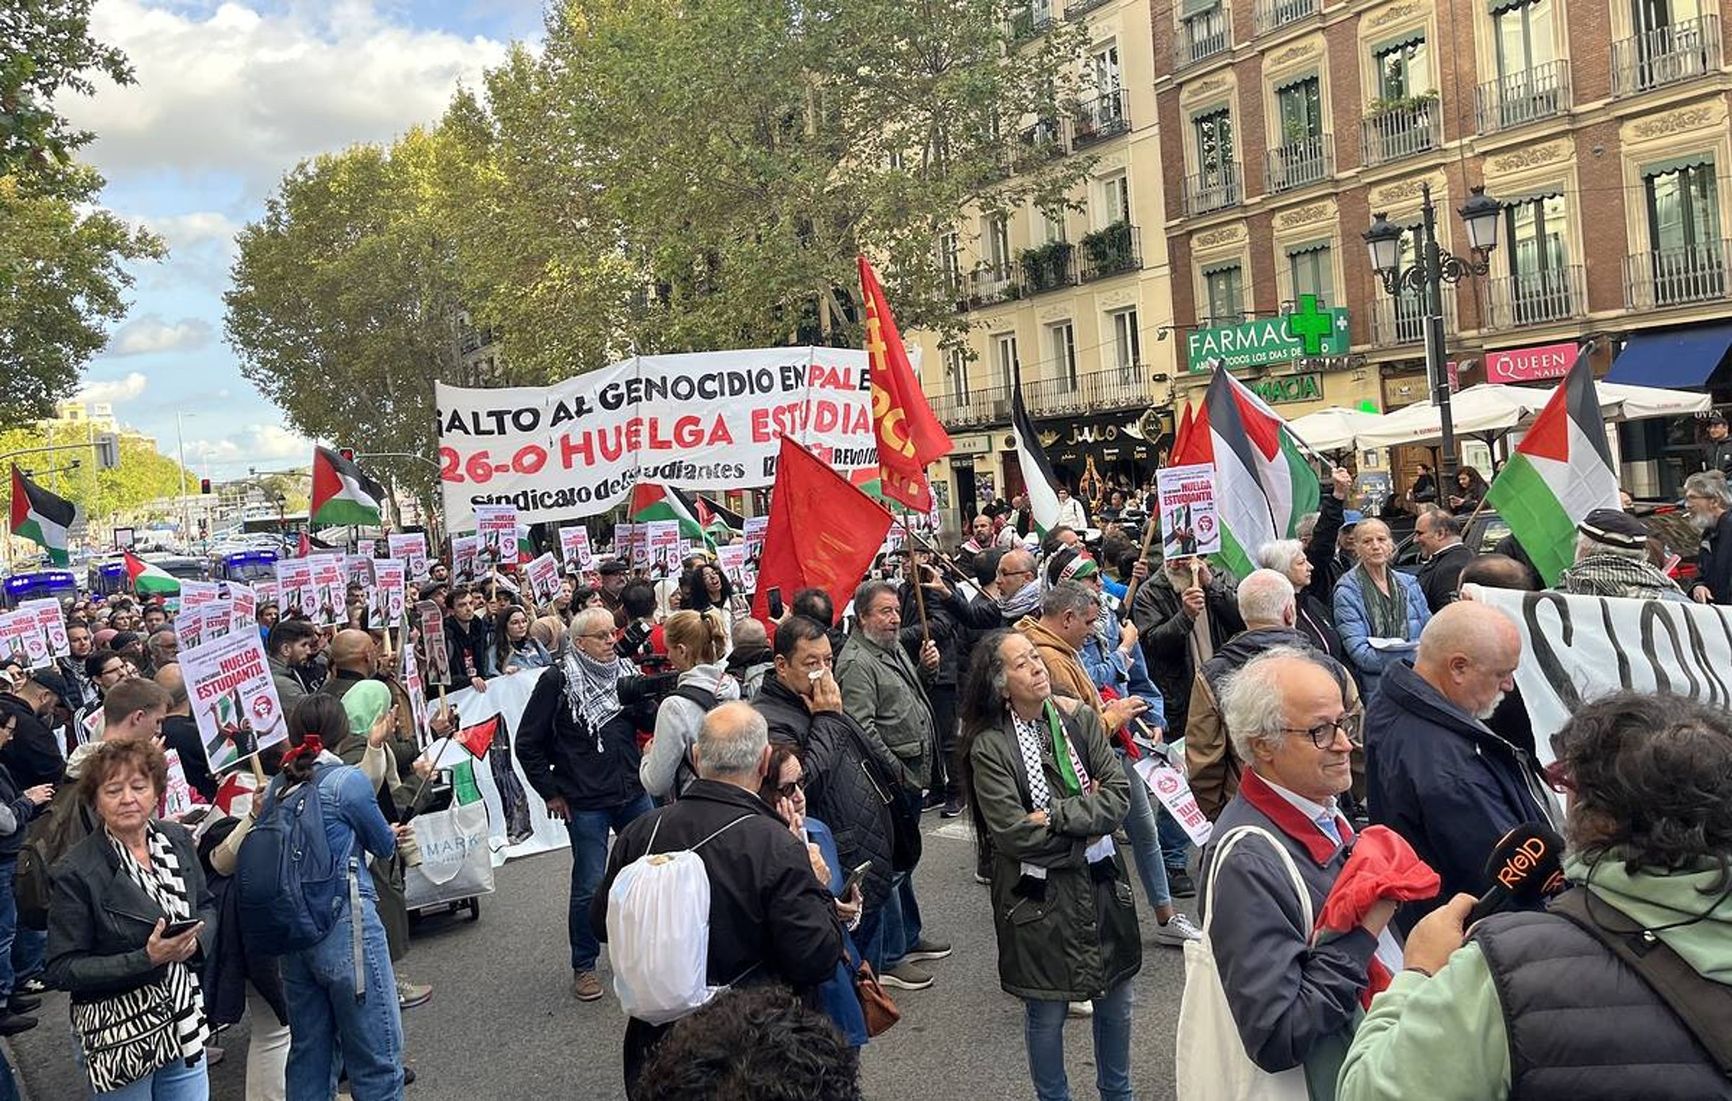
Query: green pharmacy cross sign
column 1309, row 332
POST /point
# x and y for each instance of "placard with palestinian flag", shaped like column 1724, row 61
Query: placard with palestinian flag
column 295, row 588
column 411, row 548
column 39, row 515
column 52, row 621
column 390, row 592
column 465, row 558
column 543, row 575
column 496, row 528
column 435, row 657
column 233, row 699
column 342, row 494
column 575, row 549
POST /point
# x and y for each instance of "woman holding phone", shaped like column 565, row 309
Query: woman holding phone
column 128, row 925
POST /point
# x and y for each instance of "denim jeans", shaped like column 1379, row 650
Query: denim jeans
column 1175, row 842
column 588, row 830
column 331, row 1029
column 8, row 924
column 1146, row 840
column 29, row 953
column 869, row 936
column 175, row 1082
column 1044, row 1032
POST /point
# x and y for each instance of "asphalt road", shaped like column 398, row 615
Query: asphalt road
column 503, row 1025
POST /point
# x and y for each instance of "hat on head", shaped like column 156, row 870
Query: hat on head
column 1069, row 565
column 1715, row 417
column 122, row 640
column 1349, row 517
column 612, row 567
column 1614, row 528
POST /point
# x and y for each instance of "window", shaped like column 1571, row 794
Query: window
column 1311, row 273
column 1116, row 193
column 1300, row 106
column 1061, row 352
column 1204, row 34
column 956, row 370
column 1223, row 287
column 1674, row 40
column 1403, row 69
column 1522, row 35
column 1127, row 343
column 1217, row 178
column 1052, row 222
column 1684, row 232
column 1108, row 76
column 950, row 260
column 1539, row 286
column 1409, row 304
column 1005, row 361
column 1104, row 114
column 997, row 233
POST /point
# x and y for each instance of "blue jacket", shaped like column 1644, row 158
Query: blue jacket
column 1125, row 674
column 1445, row 782
column 1354, row 625
column 837, row 995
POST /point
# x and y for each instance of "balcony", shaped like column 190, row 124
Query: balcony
column 1076, row 9
column 1272, row 15
column 1524, row 97
column 1306, row 160
column 1677, row 276
column 1666, row 55
column 1035, row 19
column 1101, row 118
column 992, row 284
column 1535, row 298
column 1048, row 267
column 1201, row 37
column 1397, row 321
column 1215, row 189
column 982, row 406
column 1039, row 144
column 1402, row 128
column 1110, row 251
column 1124, row 387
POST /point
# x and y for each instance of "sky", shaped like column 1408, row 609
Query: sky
column 230, row 96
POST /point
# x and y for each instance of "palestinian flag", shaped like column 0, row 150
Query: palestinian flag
column 1039, row 485
column 39, row 515
column 1561, row 472
column 342, row 495
column 478, row 739
column 716, row 517
column 149, row 580
column 650, row 501
column 1263, row 483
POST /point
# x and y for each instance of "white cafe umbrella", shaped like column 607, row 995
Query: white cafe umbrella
column 1334, row 428
column 1486, row 408
column 1621, row 402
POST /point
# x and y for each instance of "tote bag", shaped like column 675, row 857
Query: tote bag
column 1212, row 1064
column 456, row 863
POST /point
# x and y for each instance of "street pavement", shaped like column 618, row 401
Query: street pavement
column 503, row 1025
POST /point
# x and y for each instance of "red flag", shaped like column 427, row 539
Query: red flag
column 823, row 532
column 909, row 436
column 306, row 546
column 478, row 738
column 1191, row 444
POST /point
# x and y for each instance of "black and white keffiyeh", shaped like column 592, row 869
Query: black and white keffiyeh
column 592, row 689
column 163, row 883
column 1029, row 737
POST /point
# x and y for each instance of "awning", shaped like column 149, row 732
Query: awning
column 1679, row 359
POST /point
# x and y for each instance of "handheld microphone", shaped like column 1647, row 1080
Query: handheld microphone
column 1526, row 865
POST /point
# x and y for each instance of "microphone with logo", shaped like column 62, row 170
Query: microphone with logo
column 1526, row 866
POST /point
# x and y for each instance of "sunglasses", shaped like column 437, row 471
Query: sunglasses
column 787, row 790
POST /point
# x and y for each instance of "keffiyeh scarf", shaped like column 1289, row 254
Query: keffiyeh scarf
column 592, row 690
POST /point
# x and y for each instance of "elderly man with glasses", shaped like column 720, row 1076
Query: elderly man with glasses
column 1709, row 499
column 1294, row 992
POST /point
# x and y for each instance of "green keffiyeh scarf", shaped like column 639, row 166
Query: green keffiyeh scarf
column 1387, row 614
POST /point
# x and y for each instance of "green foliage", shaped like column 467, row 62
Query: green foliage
column 144, row 473
column 46, row 50
column 1047, row 267
column 1391, row 104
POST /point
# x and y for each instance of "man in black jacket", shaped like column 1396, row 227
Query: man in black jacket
column 1182, row 618
column 31, row 756
column 1710, row 503
column 771, row 919
column 846, row 789
column 578, row 748
column 467, row 636
column 1439, row 536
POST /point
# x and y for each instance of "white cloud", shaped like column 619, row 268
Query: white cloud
column 256, row 443
column 150, row 334
column 241, row 90
column 113, row 391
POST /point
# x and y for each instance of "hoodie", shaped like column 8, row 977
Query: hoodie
column 748, row 665
column 677, row 723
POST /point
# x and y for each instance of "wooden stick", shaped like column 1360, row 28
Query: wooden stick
column 919, row 584
column 1131, row 589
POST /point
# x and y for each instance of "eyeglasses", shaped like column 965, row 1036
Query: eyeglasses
column 1323, row 734
column 787, row 790
column 111, row 670
column 595, row 634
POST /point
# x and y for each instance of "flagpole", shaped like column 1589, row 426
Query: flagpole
column 1131, row 589
column 919, row 583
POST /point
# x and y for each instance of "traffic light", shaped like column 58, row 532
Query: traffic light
column 204, row 485
column 348, row 453
column 107, row 451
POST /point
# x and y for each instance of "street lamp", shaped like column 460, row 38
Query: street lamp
column 180, row 447
column 1434, row 267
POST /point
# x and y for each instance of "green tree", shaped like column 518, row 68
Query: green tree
column 46, row 50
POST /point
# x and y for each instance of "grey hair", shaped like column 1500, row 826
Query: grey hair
column 159, row 639
column 1307, row 524
column 1586, row 546
column 1280, row 555
column 867, row 593
column 1069, row 596
column 1251, row 699
column 591, row 621
column 732, row 740
column 1711, row 484
column 1264, row 597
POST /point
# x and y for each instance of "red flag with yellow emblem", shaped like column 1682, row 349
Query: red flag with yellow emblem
column 909, row 436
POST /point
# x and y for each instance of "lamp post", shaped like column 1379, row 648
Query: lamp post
column 185, row 509
column 1434, row 267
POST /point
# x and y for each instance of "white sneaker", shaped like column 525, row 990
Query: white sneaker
column 1081, row 1009
column 1177, row 931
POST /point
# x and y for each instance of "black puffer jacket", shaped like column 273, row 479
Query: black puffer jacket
column 845, row 789
column 590, row 770
column 31, row 755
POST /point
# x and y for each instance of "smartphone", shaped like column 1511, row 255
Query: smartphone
column 176, row 928
column 775, row 602
column 855, row 878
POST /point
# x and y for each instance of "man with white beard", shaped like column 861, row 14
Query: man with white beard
column 1435, row 773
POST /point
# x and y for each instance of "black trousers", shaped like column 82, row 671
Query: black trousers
column 946, row 777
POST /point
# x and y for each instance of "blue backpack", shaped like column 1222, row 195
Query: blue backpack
column 291, row 884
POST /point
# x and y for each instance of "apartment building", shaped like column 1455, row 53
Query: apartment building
column 1074, row 301
column 1600, row 125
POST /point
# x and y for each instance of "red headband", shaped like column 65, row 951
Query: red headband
column 310, row 744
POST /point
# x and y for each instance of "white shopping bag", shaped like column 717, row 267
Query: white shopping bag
column 455, row 861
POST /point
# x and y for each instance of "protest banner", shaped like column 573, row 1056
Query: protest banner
column 624, row 534
column 176, row 793
column 266, row 592
column 188, row 629
column 51, row 621
column 1170, row 786
column 732, row 558
column 410, row 548
column 390, row 592
column 640, row 543
column 195, row 594
column 1189, row 525
column 574, row 548
column 22, row 639
column 663, row 539
column 753, row 532
column 703, row 421
column 233, row 699
column 244, row 605
column 435, row 657
column 543, row 575
column 215, row 619
column 464, row 550
column 295, row 588
column 1576, row 649
column 518, row 822
column 416, row 689
column 358, row 569
column 330, row 587
column 496, row 528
